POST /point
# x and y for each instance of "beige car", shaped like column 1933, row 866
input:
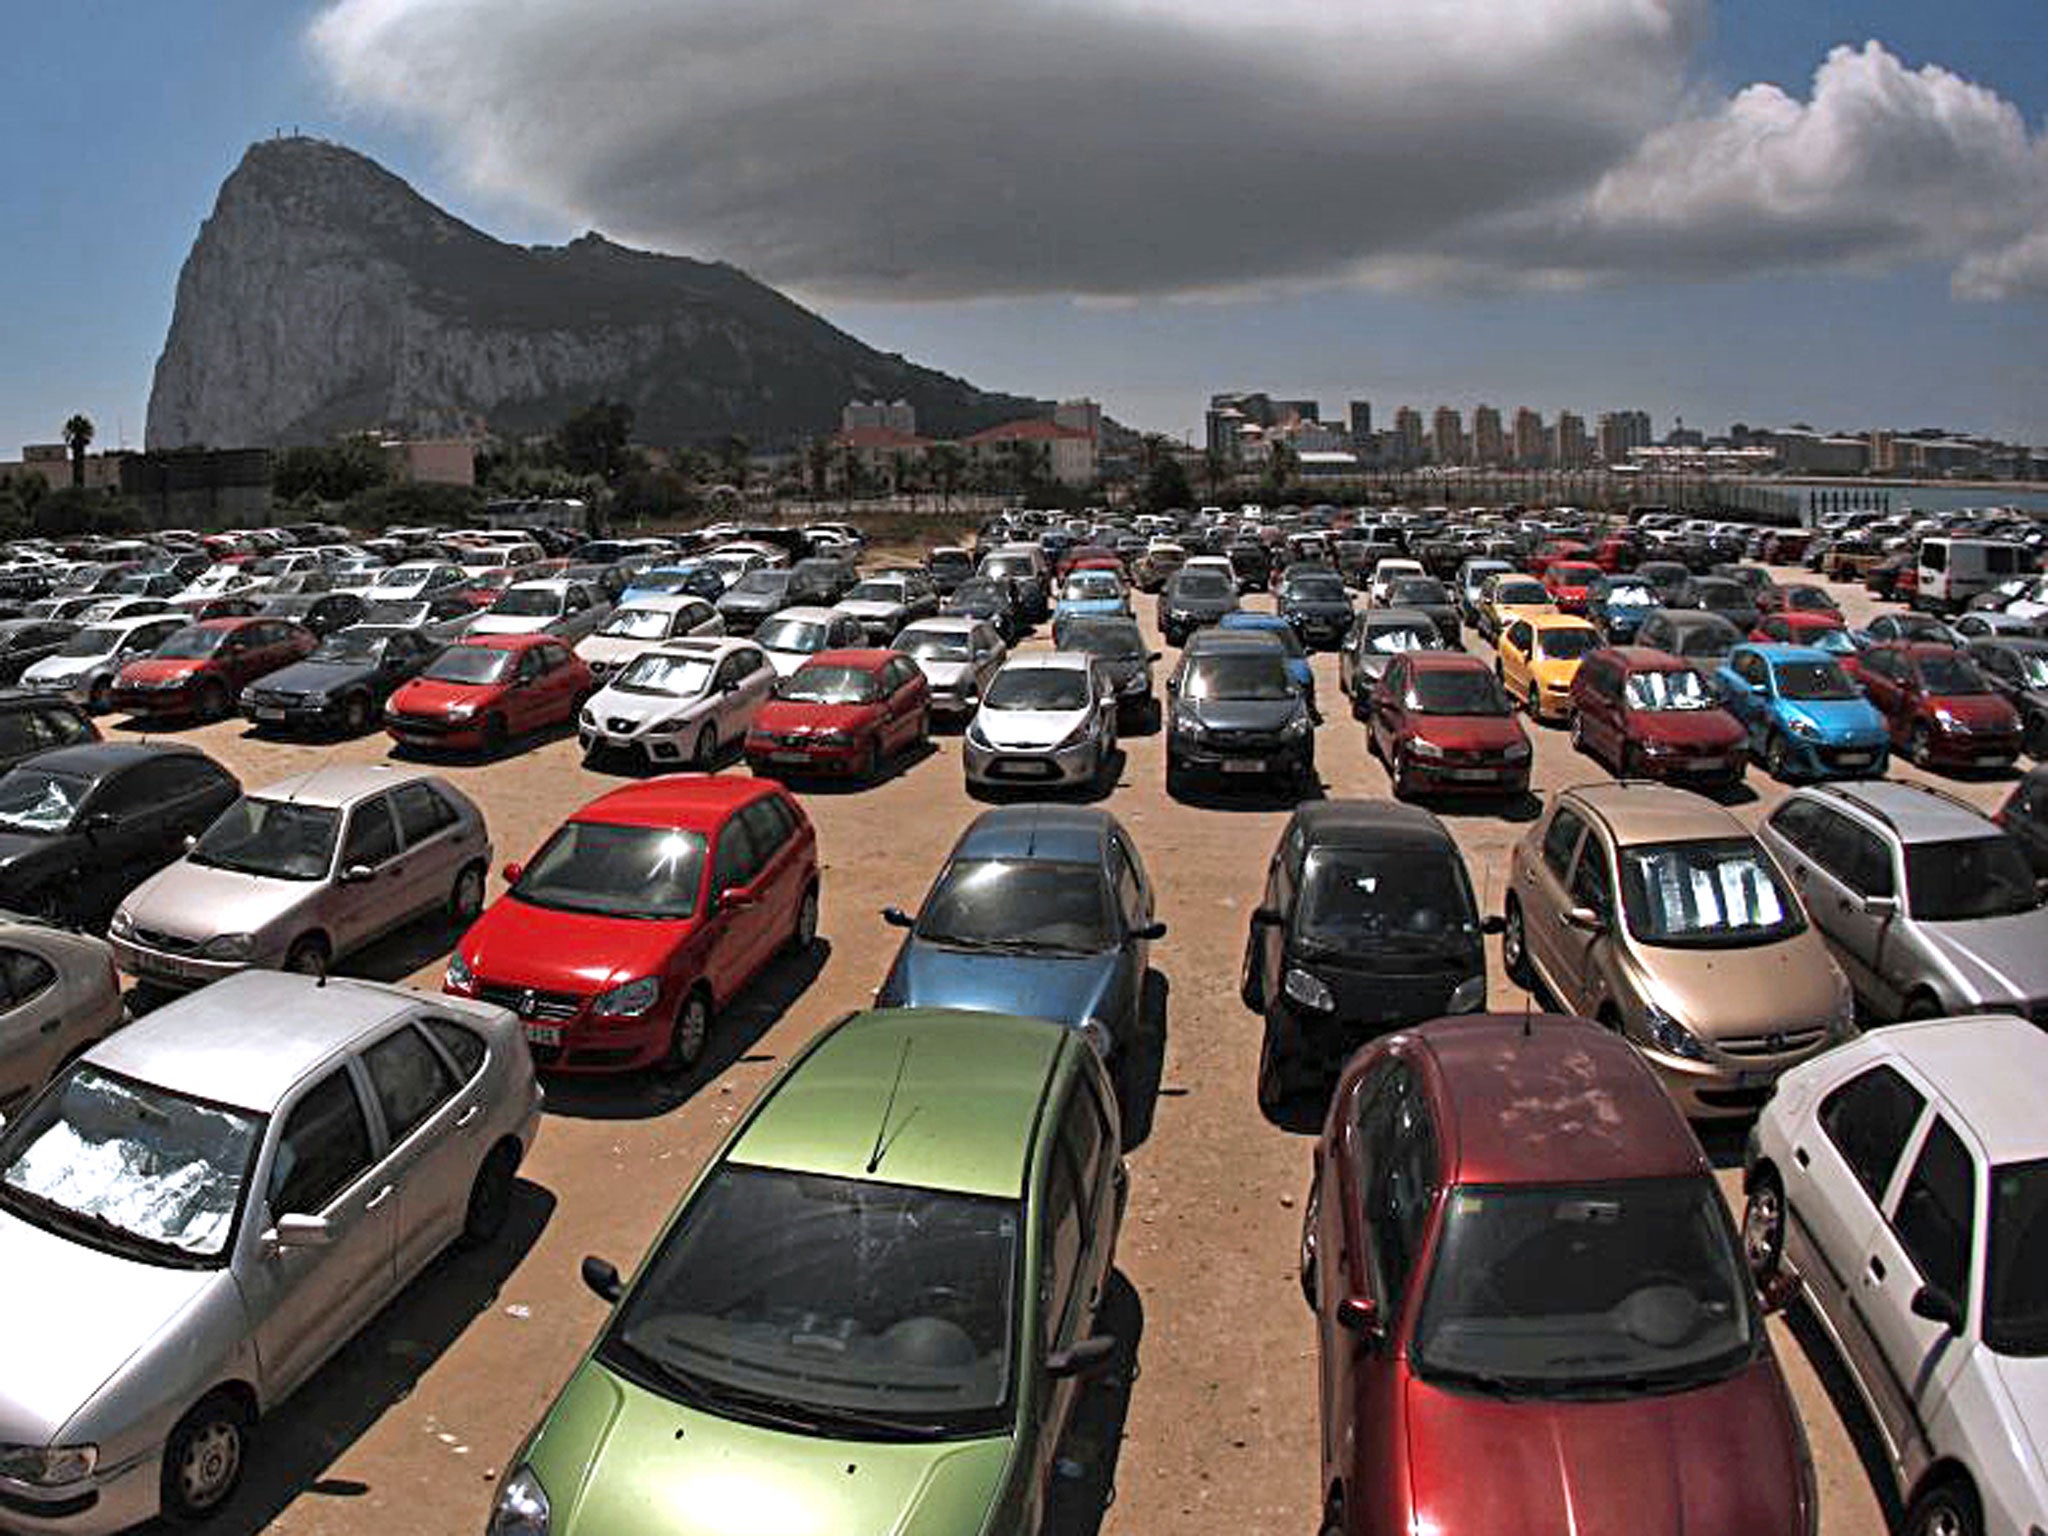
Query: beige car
column 58, row 996
column 1655, row 912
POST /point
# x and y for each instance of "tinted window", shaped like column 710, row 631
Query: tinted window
column 1560, row 838
column 1062, row 1246
column 22, row 975
column 465, row 1047
column 1937, row 1212
column 735, row 863
column 1400, row 1180
column 410, row 1080
column 371, row 837
column 1868, row 1119
column 421, row 811
column 1800, row 823
column 323, row 1147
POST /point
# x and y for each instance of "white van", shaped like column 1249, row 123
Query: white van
column 1952, row 571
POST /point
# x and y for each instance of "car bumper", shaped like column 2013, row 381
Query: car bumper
column 1270, row 760
column 1328, row 633
column 1823, row 760
column 179, row 972
column 435, row 735
column 796, row 757
column 1953, row 750
column 565, row 1037
column 1439, row 777
column 656, row 747
column 1012, row 767
column 1716, row 1090
column 110, row 1500
column 292, row 714
column 1693, row 767
column 154, row 701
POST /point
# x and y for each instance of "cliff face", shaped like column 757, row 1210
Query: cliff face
column 324, row 295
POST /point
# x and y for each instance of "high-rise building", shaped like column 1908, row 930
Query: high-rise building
column 1447, row 435
column 1568, row 442
column 1408, row 434
column 1360, row 420
column 1532, row 451
column 1620, row 433
column 1488, row 447
column 892, row 416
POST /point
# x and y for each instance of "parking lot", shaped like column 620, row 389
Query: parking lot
column 410, row 1426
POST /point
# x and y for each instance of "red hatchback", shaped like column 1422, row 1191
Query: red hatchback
column 1941, row 710
column 1440, row 722
column 646, row 912
column 1569, row 582
column 1796, row 626
column 480, row 693
column 1649, row 714
column 842, row 712
column 200, row 670
column 1532, row 1310
column 1555, row 550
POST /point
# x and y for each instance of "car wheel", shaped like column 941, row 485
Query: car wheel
column 466, row 900
column 1920, row 745
column 2037, row 737
column 214, row 703
column 691, row 1030
column 704, row 758
column 1311, row 1215
column 308, row 956
column 495, row 735
column 490, row 1197
column 98, row 698
column 1778, row 758
column 804, row 934
column 871, row 769
column 203, row 1458
column 1947, row 1509
column 1763, row 1226
column 355, row 714
column 1514, row 946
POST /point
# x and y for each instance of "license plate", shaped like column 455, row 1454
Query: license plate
column 269, row 714
column 1473, row 775
column 788, row 757
column 1245, row 765
column 1991, row 760
column 1023, row 770
column 1705, row 763
column 1855, row 759
column 163, row 965
column 544, row 1034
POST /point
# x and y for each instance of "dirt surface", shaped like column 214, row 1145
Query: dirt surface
column 410, row 1428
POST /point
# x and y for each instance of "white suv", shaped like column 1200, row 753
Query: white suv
column 679, row 703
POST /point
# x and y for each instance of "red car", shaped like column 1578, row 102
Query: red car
column 481, row 692
column 1797, row 597
column 1796, row 626
column 1555, row 550
column 1617, row 552
column 644, row 914
column 1649, row 714
column 1568, row 583
column 200, row 670
column 842, row 712
column 1531, row 1307
column 1087, row 557
column 1441, row 723
column 1941, row 710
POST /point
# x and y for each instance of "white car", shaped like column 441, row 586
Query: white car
column 1388, row 571
column 729, row 565
column 643, row 624
column 482, row 559
column 222, row 580
column 568, row 610
column 679, row 703
column 958, row 656
column 413, row 581
column 1899, row 1185
column 793, row 636
column 84, row 670
column 113, row 608
column 1047, row 719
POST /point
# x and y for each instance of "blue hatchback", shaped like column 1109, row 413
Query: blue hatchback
column 1618, row 604
column 1805, row 716
column 1298, row 667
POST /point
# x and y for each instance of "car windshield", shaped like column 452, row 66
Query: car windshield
column 348, row 649
column 937, row 644
column 637, row 624
column 93, row 642
column 1028, row 904
column 1393, row 639
column 1380, row 898
column 129, row 1168
column 762, row 583
column 1963, row 879
column 1950, row 676
column 2033, row 667
column 1511, row 592
column 1809, row 600
column 191, row 644
column 1045, row 688
column 875, row 592
column 476, row 665
column 1704, row 639
column 613, row 871
column 1631, row 594
column 2015, row 1303
column 1201, row 586
column 33, row 800
column 976, row 592
column 1113, row 642
column 1330, row 589
column 1712, row 893
column 1457, row 691
column 1813, row 680
column 1237, row 677
column 404, row 576
column 1657, row 692
column 1620, row 1288
column 800, row 635
column 830, row 685
column 830, row 1306
column 1719, row 594
column 661, row 672
column 1566, row 644
column 276, row 838
column 397, row 615
column 529, row 603
column 1085, row 586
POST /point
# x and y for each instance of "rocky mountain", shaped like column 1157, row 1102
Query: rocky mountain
column 325, row 295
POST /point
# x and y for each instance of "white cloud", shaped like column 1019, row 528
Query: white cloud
column 928, row 149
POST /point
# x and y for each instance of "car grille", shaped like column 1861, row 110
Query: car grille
column 168, row 943
column 424, row 725
column 273, row 698
column 621, row 724
column 548, row 1007
column 1243, row 741
column 1784, row 1043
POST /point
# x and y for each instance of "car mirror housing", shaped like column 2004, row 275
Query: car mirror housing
column 1084, row 1358
column 1150, row 932
column 1360, row 1315
column 357, row 874
column 602, row 1276
column 896, row 917
column 513, row 871
column 1935, row 1305
column 1494, row 924
column 1881, row 906
column 1267, row 917
column 300, row 1231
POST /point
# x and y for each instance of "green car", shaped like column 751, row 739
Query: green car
column 872, row 1313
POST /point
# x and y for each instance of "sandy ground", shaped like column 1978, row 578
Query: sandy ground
column 410, row 1427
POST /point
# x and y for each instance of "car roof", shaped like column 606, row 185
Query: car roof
column 1545, row 1099
column 865, row 658
column 1396, row 618
column 1540, row 620
column 961, row 624
column 664, row 602
column 1371, row 823
column 691, row 801
column 1215, row 641
column 1065, row 834
column 509, row 642
column 950, row 1100
column 1637, row 811
column 1917, row 813
column 1647, row 658
column 1778, row 653
column 810, row 613
column 1694, row 618
column 1445, row 661
column 340, row 784
column 2019, row 644
column 92, row 759
column 205, row 1045
column 1056, row 661
column 1988, row 1067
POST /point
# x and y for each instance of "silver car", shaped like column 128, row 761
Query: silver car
column 958, row 657
column 1048, row 719
column 209, row 1204
column 58, row 994
column 567, row 610
column 85, row 668
column 297, row 874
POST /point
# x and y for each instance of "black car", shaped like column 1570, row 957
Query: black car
column 1718, row 594
column 1367, row 926
column 1702, row 638
column 81, row 827
column 1233, row 711
column 321, row 612
column 2025, row 816
column 949, row 567
column 992, row 599
column 1192, row 599
column 33, row 722
column 1253, row 564
column 1314, row 601
column 2019, row 670
column 343, row 684
column 822, row 580
column 1665, row 578
column 24, row 642
column 1425, row 594
column 752, row 598
column 1120, row 646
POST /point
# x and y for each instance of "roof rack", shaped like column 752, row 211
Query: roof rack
column 1847, row 791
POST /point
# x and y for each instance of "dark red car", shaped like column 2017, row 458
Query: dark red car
column 1088, row 557
column 1797, row 597
column 645, row 913
column 200, row 670
column 482, row 692
column 1796, row 626
column 1617, row 552
column 1531, row 1307
column 1941, row 710
column 1649, row 714
column 1441, row 723
column 842, row 712
column 1569, row 582
column 1554, row 550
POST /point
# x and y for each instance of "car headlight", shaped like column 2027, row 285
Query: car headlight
column 1296, row 728
column 1188, row 726
column 1098, row 1035
column 229, row 946
column 1422, row 746
column 629, row 1001
column 1670, row 1036
column 831, row 739
column 1802, row 728
column 48, row 1466
column 588, row 719
column 1947, row 719
column 461, row 711
column 674, row 726
column 1308, row 991
column 522, row 1507
column 1469, row 996
column 121, row 925
column 459, row 975
column 1515, row 751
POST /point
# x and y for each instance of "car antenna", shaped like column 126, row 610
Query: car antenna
column 881, row 1131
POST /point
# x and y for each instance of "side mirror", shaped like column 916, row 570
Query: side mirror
column 1937, row 1306
column 357, row 874
column 191, row 841
column 513, row 871
column 97, row 821
column 299, row 1231
column 736, row 900
column 1150, row 932
column 896, row 917
column 1585, row 919
column 1266, row 917
column 1154, row 655
column 1084, row 1358
column 1881, row 906
column 1493, row 925
column 1360, row 1315
column 602, row 1276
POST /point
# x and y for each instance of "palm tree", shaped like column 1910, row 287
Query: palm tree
column 946, row 463
column 77, row 434
column 820, row 457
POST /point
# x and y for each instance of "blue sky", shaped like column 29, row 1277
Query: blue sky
column 130, row 114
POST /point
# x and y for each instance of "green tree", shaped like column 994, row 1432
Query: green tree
column 1217, row 469
column 593, row 440
column 735, row 459
column 77, row 437
column 1281, row 463
column 818, row 459
column 946, row 463
column 330, row 472
column 1165, row 486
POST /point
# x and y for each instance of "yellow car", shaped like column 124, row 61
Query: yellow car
column 1539, row 656
column 1510, row 593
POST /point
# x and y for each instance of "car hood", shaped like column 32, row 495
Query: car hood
column 787, row 715
column 511, row 624
column 870, row 607
column 785, row 662
column 151, row 669
column 1203, row 607
column 1068, row 989
column 945, row 676
column 59, row 669
column 1327, row 608
column 1469, row 733
column 611, row 650
column 1688, row 727
column 616, row 704
column 520, row 945
column 1997, row 959
column 1730, row 994
column 74, row 1316
column 757, row 602
column 198, row 901
column 1837, row 720
column 316, row 677
column 1028, row 728
column 1979, row 711
column 1644, row 1466
column 20, row 847
column 1242, row 714
column 617, row 1460
column 425, row 696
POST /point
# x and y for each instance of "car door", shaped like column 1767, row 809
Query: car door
column 1884, row 683
column 730, row 932
column 1544, row 933
column 776, row 880
column 1582, row 951
column 1062, row 1216
column 431, row 1125
column 321, row 1161
column 1388, row 713
column 525, row 701
column 437, row 841
column 1516, row 648
column 907, row 695
column 755, row 680
column 1750, row 699
column 369, row 894
column 1845, row 865
column 32, row 1038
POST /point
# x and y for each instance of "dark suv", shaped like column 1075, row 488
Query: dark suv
column 1234, row 711
column 36, row 722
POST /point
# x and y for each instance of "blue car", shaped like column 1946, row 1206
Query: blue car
column 1618, row 604
column 1092, row 593
column 1805, row 716
column 1041, row 910
column 695, row 579
column 1298, row 667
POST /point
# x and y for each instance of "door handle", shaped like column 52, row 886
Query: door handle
column 468, row 1115
column 52, row 1027
column 1876, row 1268
column 379, row 1198
column 1799, row 1156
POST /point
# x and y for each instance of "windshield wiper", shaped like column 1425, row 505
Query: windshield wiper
column 1490, row 1382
